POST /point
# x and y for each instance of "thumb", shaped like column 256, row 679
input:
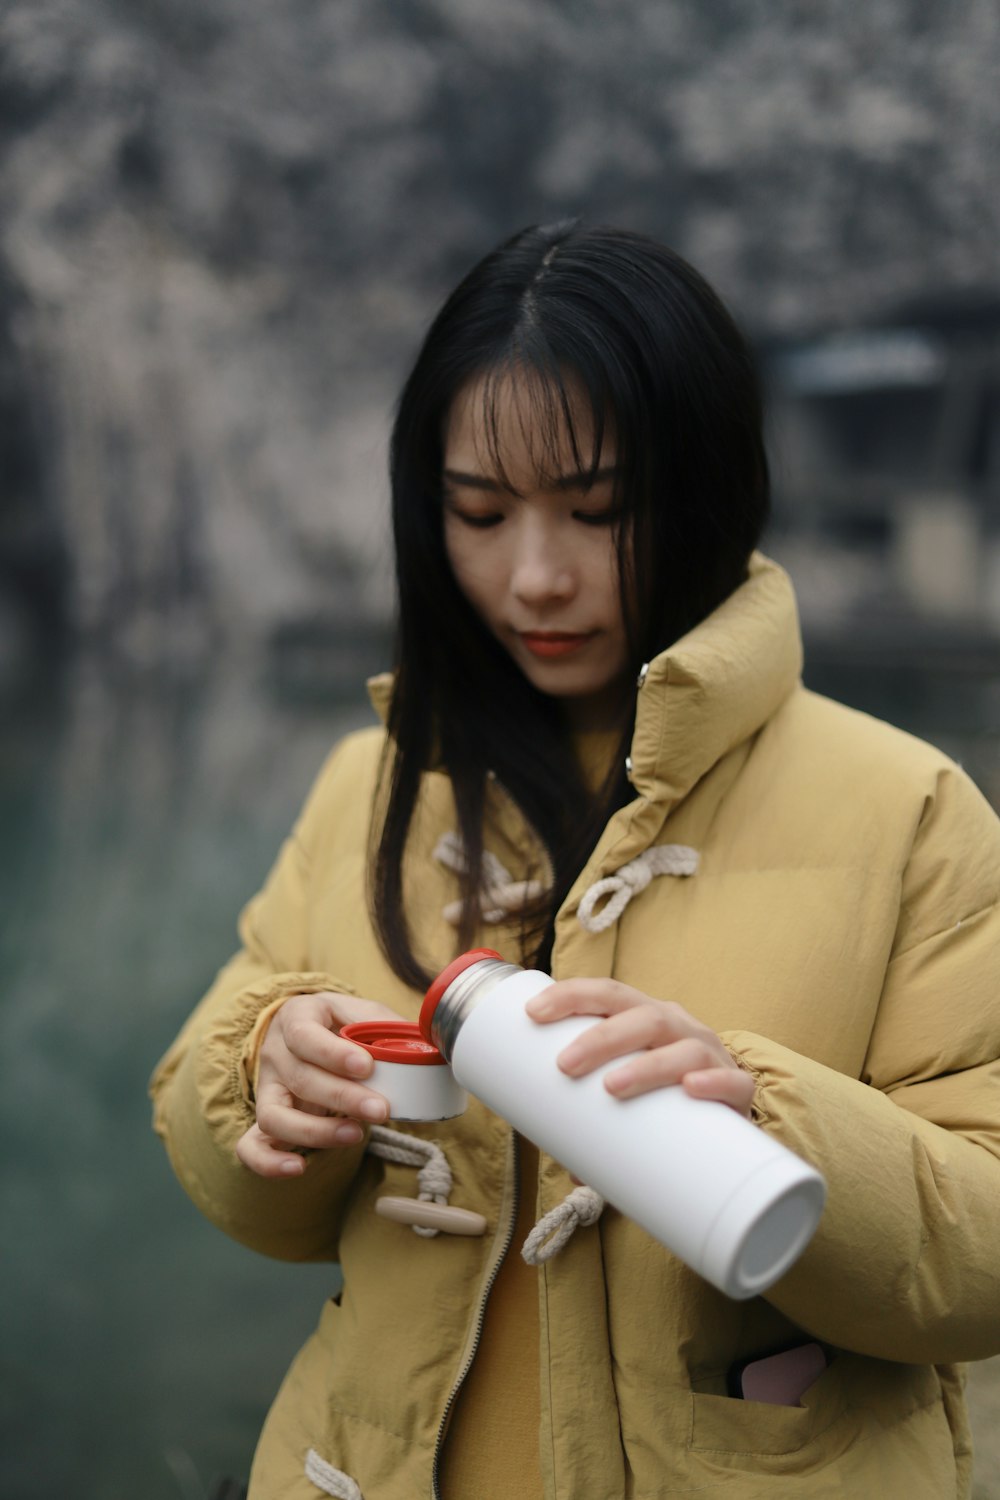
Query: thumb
column 344, row 1010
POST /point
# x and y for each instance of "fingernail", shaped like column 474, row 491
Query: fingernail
column 373, row 1109
column 358, row 1062
column 619, row 1081
column 569, row 1060
column 696, row 1080
column 293, row 1168
column 538, row 1009
column 347, row 1134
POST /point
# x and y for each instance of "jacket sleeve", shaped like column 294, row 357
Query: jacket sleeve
column 201, row 1102
column 905, row 1263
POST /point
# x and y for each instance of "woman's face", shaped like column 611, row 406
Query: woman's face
column 534, row 552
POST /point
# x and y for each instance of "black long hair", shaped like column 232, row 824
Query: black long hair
column 646, row 342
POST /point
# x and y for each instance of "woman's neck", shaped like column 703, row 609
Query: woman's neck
column 598, row 712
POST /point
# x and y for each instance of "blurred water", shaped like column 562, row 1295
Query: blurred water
column 140, row 1347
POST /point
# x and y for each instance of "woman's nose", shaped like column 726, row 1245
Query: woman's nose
column 542, row 570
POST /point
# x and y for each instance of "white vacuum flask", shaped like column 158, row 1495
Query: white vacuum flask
column 723, row 1195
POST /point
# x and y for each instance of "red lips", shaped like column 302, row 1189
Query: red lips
column 549, row 643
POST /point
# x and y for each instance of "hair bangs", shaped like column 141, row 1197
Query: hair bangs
column 560, row 417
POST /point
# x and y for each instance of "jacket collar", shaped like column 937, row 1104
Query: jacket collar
column 710, row 690
column 717, row 685
column 380, row 694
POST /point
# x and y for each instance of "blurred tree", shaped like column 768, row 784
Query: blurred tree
column 231, row 225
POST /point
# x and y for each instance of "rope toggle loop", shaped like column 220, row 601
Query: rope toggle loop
column 434, row 1177
column 499, row 895
column 550, row 1234
column 330, row 1480
column 662, row 859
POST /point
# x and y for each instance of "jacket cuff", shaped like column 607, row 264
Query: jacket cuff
column 270, row 1001
column 758, row 1110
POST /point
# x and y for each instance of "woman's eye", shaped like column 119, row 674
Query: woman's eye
column 481, row 521
column 606, row 517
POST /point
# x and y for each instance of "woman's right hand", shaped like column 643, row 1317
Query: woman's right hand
column 310, row 1090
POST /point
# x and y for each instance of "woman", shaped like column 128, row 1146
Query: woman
column 593, row 663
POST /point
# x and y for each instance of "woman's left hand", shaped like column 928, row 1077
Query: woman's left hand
column 672, row 1046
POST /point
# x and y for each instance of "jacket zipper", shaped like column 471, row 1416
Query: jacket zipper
column 514, row 1158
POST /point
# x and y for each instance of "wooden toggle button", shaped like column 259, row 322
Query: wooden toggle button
column 430, row 1215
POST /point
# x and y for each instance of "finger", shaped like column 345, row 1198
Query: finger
column 308, row 1026
column 653, row 1024
column 310, row 1040
column 582, row 997
column 346, row 1009
column 660, row 1066
column 732, row 1086
column 305, row 1084
column 268, row 1158
column 298, row 1127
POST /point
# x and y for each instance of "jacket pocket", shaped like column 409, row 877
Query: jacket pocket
column 854, row 1400
column 737, row 1431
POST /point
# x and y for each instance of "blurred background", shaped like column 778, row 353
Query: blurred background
column 222, row 231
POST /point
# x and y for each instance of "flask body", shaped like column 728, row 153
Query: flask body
column 729, row 1200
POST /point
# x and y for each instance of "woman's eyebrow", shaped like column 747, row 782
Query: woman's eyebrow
column 473, row 481
column 584, row 478
column 580, row 479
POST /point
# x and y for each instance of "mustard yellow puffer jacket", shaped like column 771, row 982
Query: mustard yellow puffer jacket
column 841, row 933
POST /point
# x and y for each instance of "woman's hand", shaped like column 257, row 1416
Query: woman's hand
column 672, row 1046
column 309, row 1084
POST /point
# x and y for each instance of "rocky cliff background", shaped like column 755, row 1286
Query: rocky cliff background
column 223, row 228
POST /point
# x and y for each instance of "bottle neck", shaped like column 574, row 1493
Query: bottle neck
column 461, row 998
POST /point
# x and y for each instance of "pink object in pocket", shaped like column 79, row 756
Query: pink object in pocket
column 782, row 1379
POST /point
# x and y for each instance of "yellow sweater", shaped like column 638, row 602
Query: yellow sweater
column 491, row 1449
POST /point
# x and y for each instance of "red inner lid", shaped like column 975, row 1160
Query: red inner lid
column 393, row 1041
column 445, row 978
